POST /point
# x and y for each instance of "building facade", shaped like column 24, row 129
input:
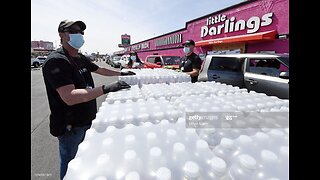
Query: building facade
column 41, row 46
column 247, row 27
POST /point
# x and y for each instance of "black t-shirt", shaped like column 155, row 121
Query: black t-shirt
column 59, row 70
column 188, row 63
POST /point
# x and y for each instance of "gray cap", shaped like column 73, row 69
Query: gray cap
column 66, row 23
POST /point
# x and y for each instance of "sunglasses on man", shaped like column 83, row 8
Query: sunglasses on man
column 74, row 31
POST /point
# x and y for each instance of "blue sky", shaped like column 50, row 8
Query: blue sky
column 107, row 20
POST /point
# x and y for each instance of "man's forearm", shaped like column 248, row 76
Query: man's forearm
column 193, row 73
column 107, row 72
column 83, row 95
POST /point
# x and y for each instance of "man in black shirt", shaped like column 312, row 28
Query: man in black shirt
column 190, row 63
column 71, row 91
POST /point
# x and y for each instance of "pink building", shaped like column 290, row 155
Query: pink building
column 250, row 26
column 42, row 45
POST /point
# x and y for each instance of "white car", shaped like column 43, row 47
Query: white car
column 124, row 60
column 262, row 73
column 115, row 62
column 36, row 62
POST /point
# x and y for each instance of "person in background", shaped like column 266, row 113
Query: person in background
column 134, row 60
column 71, row 90
column 190, row 63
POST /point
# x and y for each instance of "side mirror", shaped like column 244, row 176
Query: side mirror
column 158, row 63
column 284, row 75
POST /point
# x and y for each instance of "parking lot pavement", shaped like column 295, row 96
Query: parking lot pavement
column 44, row 146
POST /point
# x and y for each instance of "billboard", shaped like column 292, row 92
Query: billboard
column 125, row 40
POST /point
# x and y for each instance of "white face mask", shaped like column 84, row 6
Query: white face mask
column 186, row 50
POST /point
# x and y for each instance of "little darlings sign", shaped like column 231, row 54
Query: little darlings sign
column 231, row 25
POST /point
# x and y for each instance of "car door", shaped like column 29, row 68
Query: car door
column 226, row 70
column 267, row 75
column 150, row 62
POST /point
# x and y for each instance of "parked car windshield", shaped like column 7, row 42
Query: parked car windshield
column 285, row 59
column 226, row 64
column 171, row 60
column 42, row 58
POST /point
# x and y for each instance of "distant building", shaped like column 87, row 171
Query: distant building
column 41, row 46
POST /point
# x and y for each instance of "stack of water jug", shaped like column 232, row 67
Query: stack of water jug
column 143, row 133
column 154, row 76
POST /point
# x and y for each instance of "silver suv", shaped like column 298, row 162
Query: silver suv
column 265, row 73
column 36, row 62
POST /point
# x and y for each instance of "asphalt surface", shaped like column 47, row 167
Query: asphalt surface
column 44, row 147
